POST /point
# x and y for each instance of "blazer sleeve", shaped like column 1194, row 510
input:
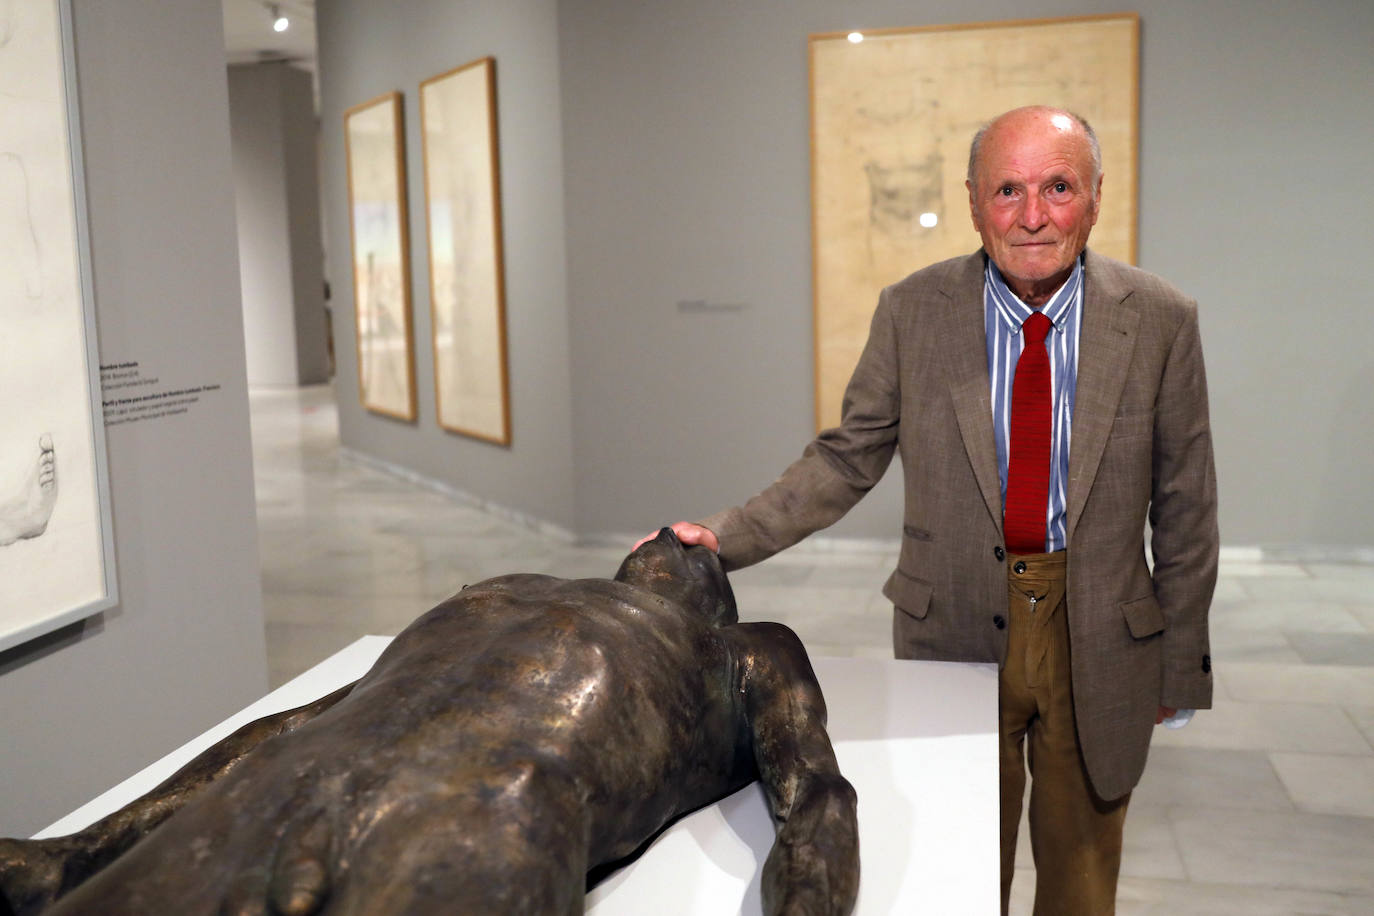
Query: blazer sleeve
column 835, row 470
column 1183, row 519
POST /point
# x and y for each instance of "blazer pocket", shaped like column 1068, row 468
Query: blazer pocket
column 910, row 595
column 1144, row 616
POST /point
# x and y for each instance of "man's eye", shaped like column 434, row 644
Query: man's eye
column 1006, row 190
column 1060, row 187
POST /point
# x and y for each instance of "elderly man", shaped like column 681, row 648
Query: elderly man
column 1047, row 402
column 511, row 739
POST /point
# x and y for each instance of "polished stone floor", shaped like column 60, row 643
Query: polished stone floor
column 1262, row 805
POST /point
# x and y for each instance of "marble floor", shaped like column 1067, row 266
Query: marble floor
column 1262, row 805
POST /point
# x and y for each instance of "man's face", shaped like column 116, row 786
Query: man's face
column 1035, row 200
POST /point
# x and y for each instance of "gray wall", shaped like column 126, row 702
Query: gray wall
column 88, row 705
column 1257, row 116
column 276, row 186
column 368, row 48
column 685, row 176
column 686, row 155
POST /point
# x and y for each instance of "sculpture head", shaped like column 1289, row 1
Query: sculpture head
column 691, row 576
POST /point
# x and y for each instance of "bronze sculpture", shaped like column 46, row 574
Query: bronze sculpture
column 521, row 733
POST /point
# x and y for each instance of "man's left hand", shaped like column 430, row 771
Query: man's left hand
column 1164, row 713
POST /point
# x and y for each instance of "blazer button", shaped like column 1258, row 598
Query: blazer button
column 1020, row 567
column 999, row 553
column 1206, row 664
column 999, row 622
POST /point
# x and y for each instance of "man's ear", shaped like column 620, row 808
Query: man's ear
column 973, row 207
column 1097, row 199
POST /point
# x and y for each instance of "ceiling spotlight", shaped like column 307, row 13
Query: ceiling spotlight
column 855, row 37
column 279, row 22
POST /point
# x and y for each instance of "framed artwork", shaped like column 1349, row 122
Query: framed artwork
column 56, row 542
column 892, row 115
column 466, row 276
column 374, row 144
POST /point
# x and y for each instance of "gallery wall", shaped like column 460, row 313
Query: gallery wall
column 367, row 49
column 90, row 704
column 276, row 189
column 681, row 314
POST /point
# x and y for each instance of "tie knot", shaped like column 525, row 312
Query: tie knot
column 1036, row 327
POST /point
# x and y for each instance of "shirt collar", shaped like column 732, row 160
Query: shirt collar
column 1013, row 311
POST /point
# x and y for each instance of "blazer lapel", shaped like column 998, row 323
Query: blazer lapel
column 1106, row 339
column 963, row 340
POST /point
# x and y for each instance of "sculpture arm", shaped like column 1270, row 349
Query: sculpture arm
column 34, row 873
column 813, row 867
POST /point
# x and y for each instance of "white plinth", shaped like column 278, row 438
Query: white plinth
column 917, row 739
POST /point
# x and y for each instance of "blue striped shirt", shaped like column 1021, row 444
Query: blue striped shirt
column 1003, row 314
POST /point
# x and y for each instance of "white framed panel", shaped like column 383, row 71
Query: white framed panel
column 57, row 560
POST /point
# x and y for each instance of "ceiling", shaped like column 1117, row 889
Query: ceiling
column 248, row 35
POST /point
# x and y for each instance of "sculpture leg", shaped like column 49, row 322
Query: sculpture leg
column 34, row 873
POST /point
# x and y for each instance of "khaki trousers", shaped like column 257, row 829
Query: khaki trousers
column 1075, row 836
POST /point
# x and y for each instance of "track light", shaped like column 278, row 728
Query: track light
column 279, row 22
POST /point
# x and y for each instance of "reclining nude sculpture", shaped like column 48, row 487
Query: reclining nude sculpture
column 524, row 731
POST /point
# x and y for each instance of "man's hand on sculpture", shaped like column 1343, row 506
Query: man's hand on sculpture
column 689, row 533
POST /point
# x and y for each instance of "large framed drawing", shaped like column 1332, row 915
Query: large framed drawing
column 892, row 115
column 466, row 276
column 56, row 543
column 374, row 144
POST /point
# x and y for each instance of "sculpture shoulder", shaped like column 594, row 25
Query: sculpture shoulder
column 531, row 600
column 770, row 653
column 519, row 583
column 538, row 588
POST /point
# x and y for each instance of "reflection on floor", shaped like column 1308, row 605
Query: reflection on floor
column 1263, row 805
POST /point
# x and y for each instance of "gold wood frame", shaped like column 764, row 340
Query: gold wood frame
column 466, row 267
column 374, row 144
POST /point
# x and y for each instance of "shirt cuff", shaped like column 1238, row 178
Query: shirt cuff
column 1180, row 718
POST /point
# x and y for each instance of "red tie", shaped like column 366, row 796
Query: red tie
column 1028, row 460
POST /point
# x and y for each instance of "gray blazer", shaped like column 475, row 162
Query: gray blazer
column 1141, row 449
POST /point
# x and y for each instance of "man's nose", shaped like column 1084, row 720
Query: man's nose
column 1034, row 214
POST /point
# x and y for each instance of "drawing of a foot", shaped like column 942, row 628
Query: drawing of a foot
column 25, row 514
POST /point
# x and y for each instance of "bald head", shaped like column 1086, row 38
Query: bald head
column 1059, row 117
column 1035, row 181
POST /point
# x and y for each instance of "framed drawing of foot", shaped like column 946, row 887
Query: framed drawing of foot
column 56, row 550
